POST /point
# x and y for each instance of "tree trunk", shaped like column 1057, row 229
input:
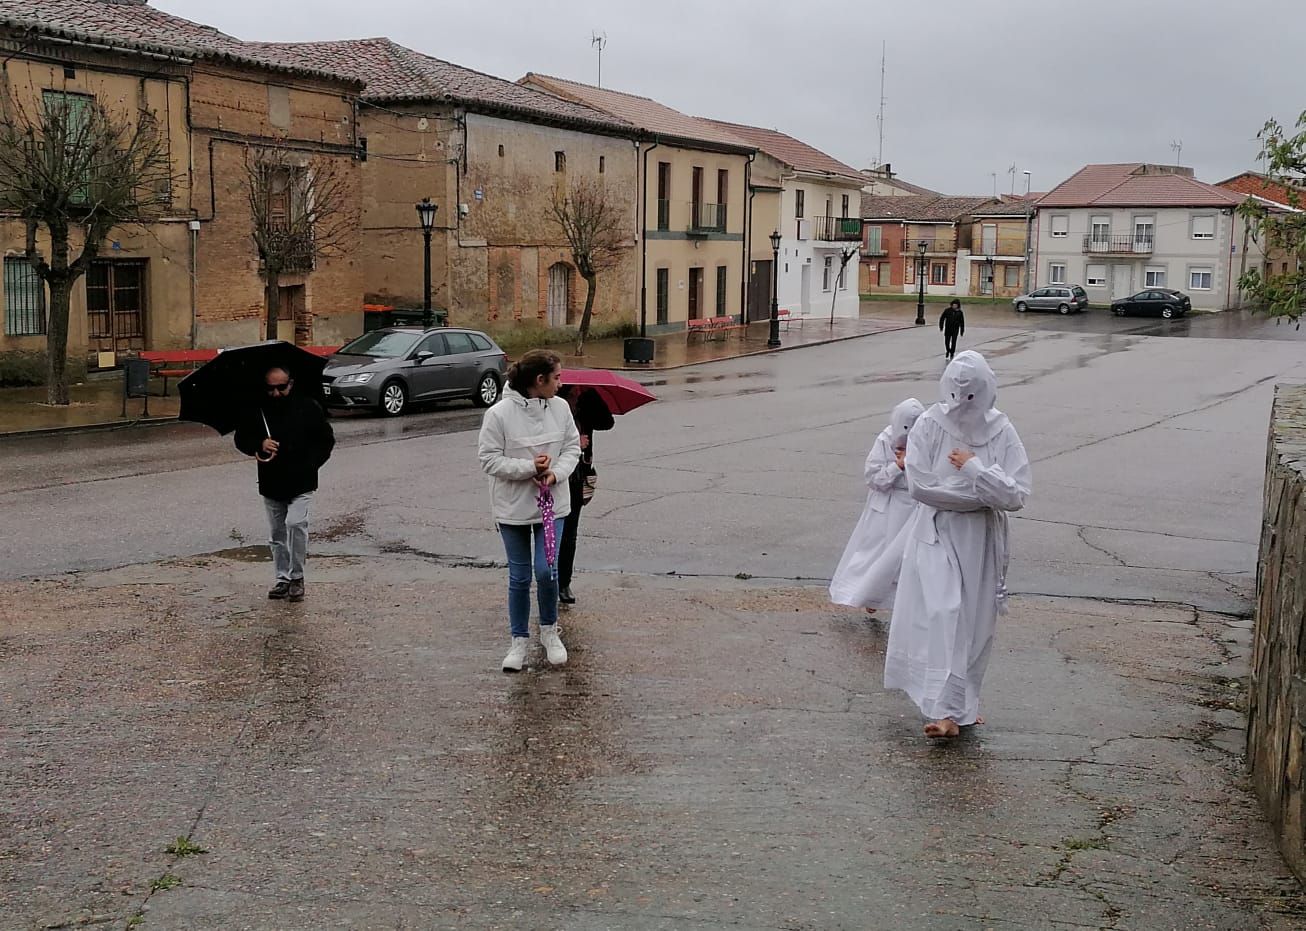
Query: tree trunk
column 56, row 342
column 272, row 303
column 591, row 283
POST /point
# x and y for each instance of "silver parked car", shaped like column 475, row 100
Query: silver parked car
column 387, row 369
column 1063, row 298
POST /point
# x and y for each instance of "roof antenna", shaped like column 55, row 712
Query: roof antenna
column 1178, row 147
column 599, row 40
column 879, row 157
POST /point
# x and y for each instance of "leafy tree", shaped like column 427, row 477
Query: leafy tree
column 1284, row 294
column 77, row 171
column 595, row 231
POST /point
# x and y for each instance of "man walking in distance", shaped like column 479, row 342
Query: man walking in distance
column 290, row 437
column 953, row 324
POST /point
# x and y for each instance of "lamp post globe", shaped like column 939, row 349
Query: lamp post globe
column 773, row 342
column 426, row 217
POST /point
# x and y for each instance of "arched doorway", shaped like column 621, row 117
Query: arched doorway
column 559, row 274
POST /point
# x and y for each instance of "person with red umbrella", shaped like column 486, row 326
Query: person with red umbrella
column 590, row 413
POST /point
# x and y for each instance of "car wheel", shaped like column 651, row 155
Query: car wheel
column 1118, row 311
column 487, row 390
column 1167, row 312
column 1063, row 309
column 394, row 399
column 1022, row 307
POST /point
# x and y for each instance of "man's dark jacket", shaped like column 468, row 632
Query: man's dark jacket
column 953, row 320
column 300, row 425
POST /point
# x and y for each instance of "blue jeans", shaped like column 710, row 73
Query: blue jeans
column 517, row 544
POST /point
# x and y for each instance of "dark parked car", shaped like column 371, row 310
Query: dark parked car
column 1063, row 298
column 1163, row 301
column 388, row 368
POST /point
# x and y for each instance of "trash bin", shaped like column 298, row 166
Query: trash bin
column 136, row 383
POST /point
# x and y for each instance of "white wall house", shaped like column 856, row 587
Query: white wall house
column 818, row 216
column 1119, row 229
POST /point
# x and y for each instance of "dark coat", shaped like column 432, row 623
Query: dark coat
column 300, row 425
column 591, row 414
column 953, row 320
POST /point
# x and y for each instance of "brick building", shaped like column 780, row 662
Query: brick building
column 490, row 154
column 191, row 277
column 897, row 231
column 1277, row 198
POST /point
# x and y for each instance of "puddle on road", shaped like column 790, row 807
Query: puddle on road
column 259, row 553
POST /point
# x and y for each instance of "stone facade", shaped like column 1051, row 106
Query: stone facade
column 1276, row 732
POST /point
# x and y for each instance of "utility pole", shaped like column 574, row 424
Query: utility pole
column 1012, row 171
column 599, row 41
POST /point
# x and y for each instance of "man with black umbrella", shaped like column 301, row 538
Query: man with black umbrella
column 289, row 435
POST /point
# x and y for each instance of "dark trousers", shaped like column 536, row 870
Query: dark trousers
column 567, row 546
column 950, row 342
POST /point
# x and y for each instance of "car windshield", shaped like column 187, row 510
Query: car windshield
column 380, row 345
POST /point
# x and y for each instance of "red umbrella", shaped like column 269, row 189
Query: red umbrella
column 621, row 395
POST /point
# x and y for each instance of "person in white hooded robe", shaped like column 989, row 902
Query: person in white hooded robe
column 889, row 504
column 967, row 468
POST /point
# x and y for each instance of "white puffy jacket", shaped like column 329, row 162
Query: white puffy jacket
column 514, row 432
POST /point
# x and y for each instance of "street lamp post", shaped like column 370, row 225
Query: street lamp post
column 426, row 216
column 774, row 341
column 920, row 283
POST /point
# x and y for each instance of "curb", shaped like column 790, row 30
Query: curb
column 88, row 427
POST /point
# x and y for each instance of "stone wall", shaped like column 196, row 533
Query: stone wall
column 1277, row 712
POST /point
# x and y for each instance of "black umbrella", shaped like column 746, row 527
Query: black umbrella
column 220, row 392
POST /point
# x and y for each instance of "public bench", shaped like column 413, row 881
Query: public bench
column 178, row 363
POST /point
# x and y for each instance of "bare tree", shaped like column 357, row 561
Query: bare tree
column 1282, row 295
column 79, row 171
column 301, row 208
column 593, row 225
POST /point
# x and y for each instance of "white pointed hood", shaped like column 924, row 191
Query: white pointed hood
column 968, row 392
column 902, row 420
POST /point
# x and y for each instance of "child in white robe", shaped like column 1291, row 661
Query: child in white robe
column 888, row 506
column 967, row 468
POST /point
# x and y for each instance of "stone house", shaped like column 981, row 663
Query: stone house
column 814, row 201
column 1117, row 229
column 190, row 277
column 1279, row 198
column 999, row 253
column 490, row 154
column 693, row 206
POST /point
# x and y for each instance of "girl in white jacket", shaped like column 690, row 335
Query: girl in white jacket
column 528, row 441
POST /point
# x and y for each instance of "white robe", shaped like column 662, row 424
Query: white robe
column 952, row 582
column 889, row 505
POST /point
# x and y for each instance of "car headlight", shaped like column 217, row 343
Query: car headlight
column 362, row 378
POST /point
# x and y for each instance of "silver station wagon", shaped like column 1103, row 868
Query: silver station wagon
column 390, row 368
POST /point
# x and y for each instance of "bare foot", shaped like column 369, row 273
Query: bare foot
column 979, row 719
column 947, row 728
column 870, row 610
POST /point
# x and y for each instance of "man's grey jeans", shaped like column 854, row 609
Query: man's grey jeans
column 288, row 521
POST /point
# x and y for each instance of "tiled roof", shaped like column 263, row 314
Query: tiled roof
column 133, row 24
column 648, row 115
column 1258, row 185
column 921, row 208
column 394, row 73
column 1005, row 205
column 1135, row 184
column 869, row 176
column 792, row 152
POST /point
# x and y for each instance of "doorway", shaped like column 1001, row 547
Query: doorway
column 759, row 291
column 695, row 294
column 557, row 306
column 115, row 305
column 1120, row 281
column 805, row 294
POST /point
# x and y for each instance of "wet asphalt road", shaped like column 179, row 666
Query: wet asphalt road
column 1147, row 438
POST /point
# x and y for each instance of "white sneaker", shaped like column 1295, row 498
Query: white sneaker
column 552, row 643
column 516, row 657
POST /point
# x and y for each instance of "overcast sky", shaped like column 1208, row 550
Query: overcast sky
column 972, row 87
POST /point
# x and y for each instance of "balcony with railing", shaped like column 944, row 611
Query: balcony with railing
column 1117, row 245
column 707, row 218
column 939, row 245
column 290, row 249
column 836, row 229
column 875, row 247
column 1009, row 247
